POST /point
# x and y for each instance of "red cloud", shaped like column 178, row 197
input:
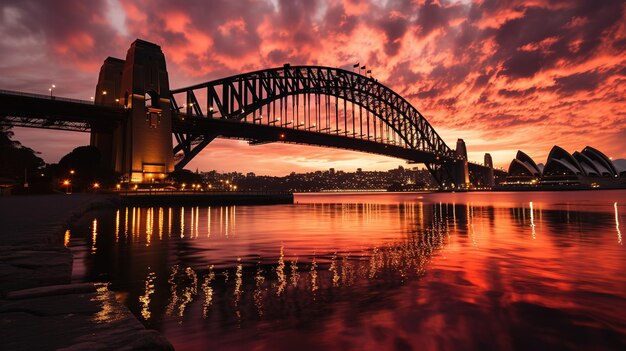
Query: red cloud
column 494, row 73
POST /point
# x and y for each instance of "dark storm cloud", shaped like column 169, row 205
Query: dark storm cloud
column 516, row 93
column 394, row 28
column 584, row 81
column 542, row 37
column 524, row 64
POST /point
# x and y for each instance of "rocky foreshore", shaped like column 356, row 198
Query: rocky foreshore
column 39, row 308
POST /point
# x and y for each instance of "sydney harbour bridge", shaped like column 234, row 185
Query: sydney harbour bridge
column 135, row 113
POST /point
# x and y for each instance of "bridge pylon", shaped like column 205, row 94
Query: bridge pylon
column 141, row 147
column 461, row 170
column 490, row 177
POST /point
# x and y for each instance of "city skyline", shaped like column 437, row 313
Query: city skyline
column 488, row 73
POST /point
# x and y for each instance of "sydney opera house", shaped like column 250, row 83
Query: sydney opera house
column 589, row 168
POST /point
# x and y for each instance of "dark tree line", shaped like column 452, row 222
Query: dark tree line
column 16, row 159
column 81, row 167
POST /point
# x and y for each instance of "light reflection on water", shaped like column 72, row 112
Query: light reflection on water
column 385, row 271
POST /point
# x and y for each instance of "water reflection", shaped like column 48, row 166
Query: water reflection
column 145, row 298
column 207, row 289
column 66, row 238
column 259, row 291
column 183, row 287
column 359, row 274
column 619, row 233
column 238, row 282
column 532, row 220
column 94, row 235
column 117, row 226
column 280, row 272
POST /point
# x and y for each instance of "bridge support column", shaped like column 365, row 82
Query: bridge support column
column 490, row 178
column 461, row 170
column 450, row 173
column 461, row 174
column 141, row 148
column 109, row 82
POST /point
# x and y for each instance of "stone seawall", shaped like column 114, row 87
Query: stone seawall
column 204, row 198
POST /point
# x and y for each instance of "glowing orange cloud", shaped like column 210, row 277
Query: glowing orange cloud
column 501, row 76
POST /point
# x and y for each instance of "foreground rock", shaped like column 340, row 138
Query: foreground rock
column 31, row 237
column 39, row 309
column 72, row 317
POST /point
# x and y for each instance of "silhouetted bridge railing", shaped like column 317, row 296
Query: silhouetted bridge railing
column 21, row 109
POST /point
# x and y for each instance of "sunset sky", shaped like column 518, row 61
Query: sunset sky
column 503, row 75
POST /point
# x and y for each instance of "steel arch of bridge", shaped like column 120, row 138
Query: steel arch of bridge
column 247, row 96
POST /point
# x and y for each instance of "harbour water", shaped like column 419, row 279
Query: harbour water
column 396, row 271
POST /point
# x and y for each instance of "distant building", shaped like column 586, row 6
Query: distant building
column 589, row 168
column 523, row 170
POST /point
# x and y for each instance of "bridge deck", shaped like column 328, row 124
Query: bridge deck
column 260, row 133
column 41, row 111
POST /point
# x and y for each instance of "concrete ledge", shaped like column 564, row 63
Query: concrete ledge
column 73, row 317
column 39, row 314
column 51, row 290
column 204, row 198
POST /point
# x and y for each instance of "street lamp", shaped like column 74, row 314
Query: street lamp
column 67, row 185
column 51, row 88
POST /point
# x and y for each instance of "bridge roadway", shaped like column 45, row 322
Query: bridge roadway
column 262, row 133
column 42, row 111
column 50, row 112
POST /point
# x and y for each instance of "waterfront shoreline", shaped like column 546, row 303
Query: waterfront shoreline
column 205, row 198
column 35, row 288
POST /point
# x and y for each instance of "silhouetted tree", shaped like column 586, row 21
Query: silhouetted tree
column 15, row 158
column 185, row 176
column 84, row 161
